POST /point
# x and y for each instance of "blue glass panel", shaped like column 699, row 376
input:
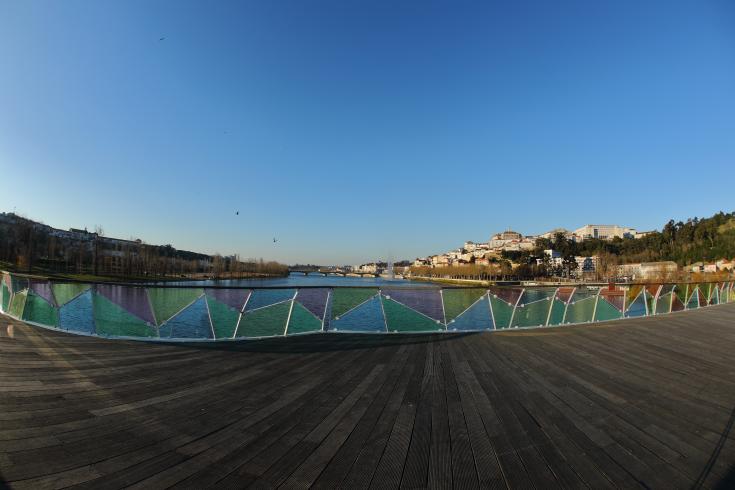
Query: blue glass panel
column 476, row 317
column 78, row 314
column 191, row 323
column 368, row 317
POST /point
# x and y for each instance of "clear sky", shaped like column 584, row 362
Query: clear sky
column 354, row 131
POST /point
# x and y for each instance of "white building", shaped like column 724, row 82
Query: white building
column 604, row 232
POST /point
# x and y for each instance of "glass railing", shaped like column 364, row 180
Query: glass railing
column 227, row 313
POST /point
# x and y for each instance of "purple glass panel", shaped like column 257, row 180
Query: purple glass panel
column 43, row 289
column 509, row 295
column 132, row 299
column 314, row 300
column 426, row 301
column 234, row 298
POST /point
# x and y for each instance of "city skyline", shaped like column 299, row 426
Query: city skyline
column 355, row 132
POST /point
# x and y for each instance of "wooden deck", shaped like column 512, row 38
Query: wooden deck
column 639, row 403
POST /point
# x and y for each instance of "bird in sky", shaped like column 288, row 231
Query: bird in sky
column 237, row 213
column 161, row 38
column 274, row 240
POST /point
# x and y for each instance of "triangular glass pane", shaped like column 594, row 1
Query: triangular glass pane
column 476, row 317
column 167, row 302
column 558, row 308
column 67, row 291
column 681, row 292
column 38, row 310
column 368, row 317
column 508, row 294
column 190, row 323
column 564, row 294
column 224, row 318
column 636, row 307
column 302, row 320
column 532, row 314
column 132, row 299
column 18, row 283
column 234, row 298
column 663, row 304
column 606, row 310
column 111, row 319
column 43, row 289
column 400, row 318
column 17, row 303
column 676, row 304
column 269, row 321
column 345, row 299
column 424, row 300
column 531, row 295
column 267, row 297
column 502, row 312
column 6, row 297
column 314, row 300
column 693, row 302
column 615, row 297
column 78, row 314
column 456, row 301
column 580, row 310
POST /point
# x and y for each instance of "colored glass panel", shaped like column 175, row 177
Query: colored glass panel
column 42, row 289
column 531, row 295
column 343, row 300
column 224, row 318
column 18, row 283
column 681, row 292
column 111, row 319
column 676, row 304
column 714, row 295
column 38, row 310
column 637, row 307
column 78, row 314
column 67, row 291
column 663, row 304
column 190, row 323
column 558, row 308
column 264, row 322
column 368, row 317
column 234, row 298
column 704, row 290
column 303, row 321
column 614, row 297
column 456, row 301
column 6, row 297
column 314, row 300
column 632, row 293
column 564, row 294
column 17, row 303
column 693, row 302
column 606, row 311
column 532, row 314
column 581, row 311
column 425, row 300
column 476, row 317
column 502, row 312
column 132, row 299
column 400, row 318
column 508, row 294
column 167, row 302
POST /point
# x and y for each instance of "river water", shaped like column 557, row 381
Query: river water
column 300, row 280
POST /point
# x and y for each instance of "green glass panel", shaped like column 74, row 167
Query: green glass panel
column 632, row 293
column 457, row 301
column 606, row 311
column 502, row 312
column 714, row 297
column 581, row 311
column 167, row 302
column 224, row 318
column 303, row 321
column 663, row 304
column 532, row 315
column 17, row 302
column 693, row 298
column 67, row 291
column 264, row 322
column 557, row 312
column 681, row 292
column 6, row 297
column 111, row 319
column 400, row 318
column 705, row 290
column 343, row 300
column 649, row 302
column 39, row 311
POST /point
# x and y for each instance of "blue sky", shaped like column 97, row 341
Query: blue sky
column 355, row 131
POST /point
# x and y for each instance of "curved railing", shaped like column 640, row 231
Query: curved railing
column 218, row 313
